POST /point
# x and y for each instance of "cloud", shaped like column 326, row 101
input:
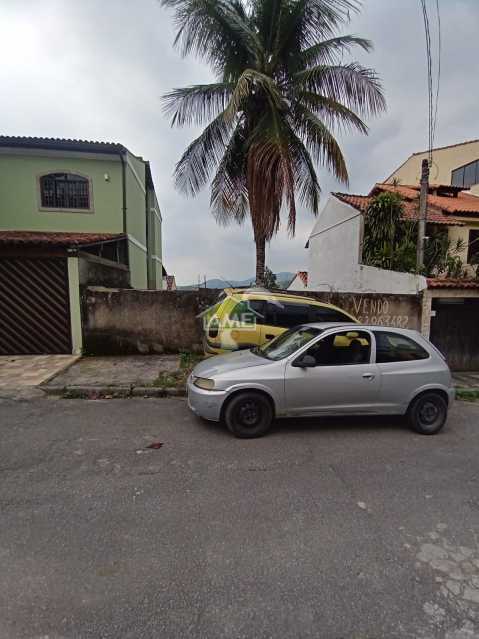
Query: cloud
column 96, row 70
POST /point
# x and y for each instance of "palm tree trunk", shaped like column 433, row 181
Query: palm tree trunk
column 260, row 259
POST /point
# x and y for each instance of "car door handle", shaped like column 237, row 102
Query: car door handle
column 369, row 376
column 269, row 336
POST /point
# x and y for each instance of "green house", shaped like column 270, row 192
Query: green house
column 72, row 214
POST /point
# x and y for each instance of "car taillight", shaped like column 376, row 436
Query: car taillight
column 213, row 328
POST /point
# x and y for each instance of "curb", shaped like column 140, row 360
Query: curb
column 112, row 392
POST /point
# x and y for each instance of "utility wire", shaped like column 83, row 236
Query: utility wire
column 433, row 100
column 439, row 56
column 429, row 78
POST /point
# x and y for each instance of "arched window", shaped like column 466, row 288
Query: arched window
column 65, row 191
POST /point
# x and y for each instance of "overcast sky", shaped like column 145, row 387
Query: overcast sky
column 95, row 69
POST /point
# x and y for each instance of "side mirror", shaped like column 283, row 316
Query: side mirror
column 305, row 361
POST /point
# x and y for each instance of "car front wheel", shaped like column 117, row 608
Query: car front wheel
column 428, row 413
column 248, row 415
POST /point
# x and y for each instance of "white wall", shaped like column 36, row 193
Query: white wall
column 334, row 255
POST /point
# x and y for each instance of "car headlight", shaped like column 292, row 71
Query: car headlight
column 205, row 384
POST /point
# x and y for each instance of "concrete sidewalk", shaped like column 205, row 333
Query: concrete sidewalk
column 122, row 376
column 25, row 371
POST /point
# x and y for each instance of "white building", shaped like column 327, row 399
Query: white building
column 335, row 250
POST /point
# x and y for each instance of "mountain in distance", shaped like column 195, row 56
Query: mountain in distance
column 283, row 279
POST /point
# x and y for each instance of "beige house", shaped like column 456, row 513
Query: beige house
column 456, row 166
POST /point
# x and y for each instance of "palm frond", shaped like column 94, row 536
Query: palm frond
column 353, row 85
column 334, row 114
column 213, row 30
column 306, row 178
column 196, row 104
column 229, row 193
column 193, row 170
column 330, row 51
column 252, row 83
column 320, row 142
column 311, row 21
column 270, row 171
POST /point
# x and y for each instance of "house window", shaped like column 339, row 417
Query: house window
column 65, row 191
column 466, row 176
column 473, row 247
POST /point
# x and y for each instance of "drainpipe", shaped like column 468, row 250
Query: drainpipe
column 148, row 238
column 123, row 187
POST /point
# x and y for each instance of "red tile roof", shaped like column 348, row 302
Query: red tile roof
column 361, row 203
column 462, row 203
column 39, row 238
column 303, row 276
column 440, row 207
column 439, row 282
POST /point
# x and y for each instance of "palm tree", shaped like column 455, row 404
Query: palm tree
column 282, row 90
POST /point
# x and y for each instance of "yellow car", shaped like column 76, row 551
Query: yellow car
column 245, row 318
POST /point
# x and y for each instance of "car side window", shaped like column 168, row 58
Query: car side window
column 286, row 315
column 325, row 314
column 393, row 347
column 341, row 349
column 248, row 312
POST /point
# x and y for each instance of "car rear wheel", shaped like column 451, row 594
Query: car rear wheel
column 248, row 415
column 427, row 414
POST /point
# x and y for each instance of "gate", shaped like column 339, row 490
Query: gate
column 34, row 306
column 455, row 331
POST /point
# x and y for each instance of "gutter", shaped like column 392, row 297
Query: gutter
column 123, row 187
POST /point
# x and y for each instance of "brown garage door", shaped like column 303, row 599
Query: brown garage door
column 34, row 306
column 455, row 331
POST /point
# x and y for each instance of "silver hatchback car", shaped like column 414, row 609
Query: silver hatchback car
column 325, row 369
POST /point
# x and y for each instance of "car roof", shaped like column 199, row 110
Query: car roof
column 356, row 327
column 264, row 294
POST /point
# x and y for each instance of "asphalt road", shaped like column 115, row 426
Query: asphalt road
column 325, row 528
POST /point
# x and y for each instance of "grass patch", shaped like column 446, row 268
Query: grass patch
column 177, row 379
column 467, row 395
column 189, row 360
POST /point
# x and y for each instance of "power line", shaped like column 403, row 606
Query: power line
column 439, row 55
column 429, row 78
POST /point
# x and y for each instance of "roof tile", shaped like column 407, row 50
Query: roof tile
column 39, row 238
column 440, row 282
column 435, row 216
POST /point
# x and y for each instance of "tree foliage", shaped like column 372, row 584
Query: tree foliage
column 270, row 282
column 390, row 241
column 282, row 92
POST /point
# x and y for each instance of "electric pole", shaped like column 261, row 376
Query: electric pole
column 421, row 228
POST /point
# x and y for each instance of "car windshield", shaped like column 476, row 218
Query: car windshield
column 288, row 343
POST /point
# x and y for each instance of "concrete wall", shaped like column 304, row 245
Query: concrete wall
column 335, row 253
column 95, row 271
column 444, row 161
column 401, row 311
column 120, row 321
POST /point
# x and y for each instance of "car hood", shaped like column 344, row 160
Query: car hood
column 221, row 364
